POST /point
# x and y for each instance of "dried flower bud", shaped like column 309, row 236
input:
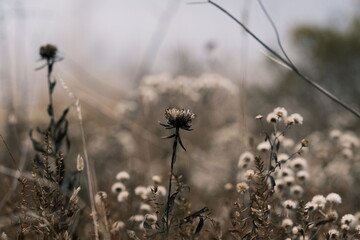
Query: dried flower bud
column 304, row 142
column 48, row 52
column 179, row 118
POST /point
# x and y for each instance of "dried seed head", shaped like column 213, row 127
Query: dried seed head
column 79, row 163
column 48, row 52
column 304, row 142
column 272, row 118
column 347, row 219
column 123, row 175
column 333, row 233
column 249, row 174
column 118, row 187
column 289, row 204
column 122, row 196
column 287, row 222
column 145, row 207
column 179, row 118
column 242, row 187
column 117, row 226
column 333, row 198
column 281, row 112
column 156, row 179
column 319, row 200
column 228, row 186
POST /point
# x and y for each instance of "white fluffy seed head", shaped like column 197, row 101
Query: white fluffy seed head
column 123, row 175
column 333, row 198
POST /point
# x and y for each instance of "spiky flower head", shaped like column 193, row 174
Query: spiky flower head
column 48, row 52
column 179, row 118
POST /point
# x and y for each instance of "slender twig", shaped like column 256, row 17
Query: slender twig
column 173, row 159
column 90, row 172
column 289, row 64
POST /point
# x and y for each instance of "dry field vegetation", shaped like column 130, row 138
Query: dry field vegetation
column 175, row 161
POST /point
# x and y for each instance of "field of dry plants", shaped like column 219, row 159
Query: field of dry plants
column 183, row 157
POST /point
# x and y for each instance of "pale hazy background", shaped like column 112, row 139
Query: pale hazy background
column 109, row 43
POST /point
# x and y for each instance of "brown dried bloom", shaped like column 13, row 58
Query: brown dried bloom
column 304, row 142
column 48, row 52
column 178, row 118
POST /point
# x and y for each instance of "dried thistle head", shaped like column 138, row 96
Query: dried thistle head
column 48, row 52
column 179, row 118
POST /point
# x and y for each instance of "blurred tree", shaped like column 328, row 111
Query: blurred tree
column 331, row 57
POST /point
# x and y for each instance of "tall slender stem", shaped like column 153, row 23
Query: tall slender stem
column 173, row 159
column 50, row 64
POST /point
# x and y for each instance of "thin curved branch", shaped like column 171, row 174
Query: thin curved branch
column 289, row 64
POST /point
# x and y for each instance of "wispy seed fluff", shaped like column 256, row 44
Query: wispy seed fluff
column 289, row 204
column 319, row 200
column 299, row 164
column 123, row 175
column 141, row 191
column 118, row 187
column 272, row 118
column 333, row 233
column 294, row 118
column 156, row 179
column 246, row 157
column 302, row 175
column 287, row 222
column 348, row 219
column 145, row 207
column 333, row 198
column 122, row 196
column 281, row 112
column 242, row 187
column 249, row 174
column 263, row 146
column 310, row 206
column 283, row 157
column 162, row 191
column 117, row 226
column 297, row 191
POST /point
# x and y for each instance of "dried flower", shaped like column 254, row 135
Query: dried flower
column 319, row 200
column 263, row 146
column 302, row 175
column 333, row 198
column 178, row 118
column 304, row 142
column 162, row 190
column 287, row 222
column 228, row 186
column 118, row 187
column 258, row 117
column 145, row 207
column 242, row 187
column 249, row 174
column 272, row 118
column 117, row 226
column 281, row 112
column 289, row 204
column 123, row 175
column 297, row 191
column 294, row 118
column 347, row 219
column 310, row 206
column 156, row 179
column 246, row 157
column 137, row 218
column 299, row 164
column 333, row 233
column 122, row 196
column 48, row 52
column 283, row 157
